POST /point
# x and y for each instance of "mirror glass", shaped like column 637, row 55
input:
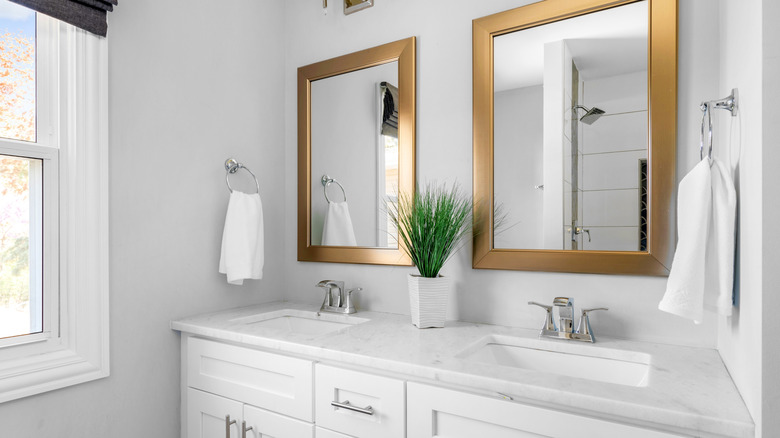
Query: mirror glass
column 354, row 157
column 571, row 133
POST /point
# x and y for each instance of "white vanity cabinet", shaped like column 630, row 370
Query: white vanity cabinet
column 288, row 397
column 444, row 413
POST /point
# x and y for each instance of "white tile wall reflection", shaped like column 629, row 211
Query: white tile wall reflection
column 612, row 239
column 612, row 148
column 616, row 132
column 609, row 171
column 611, row 208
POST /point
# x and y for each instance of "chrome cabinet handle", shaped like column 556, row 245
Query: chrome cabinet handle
column 228, row 423
column 245, row 429
column 368, row 410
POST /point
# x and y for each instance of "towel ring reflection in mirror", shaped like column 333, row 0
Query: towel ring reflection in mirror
column 232, row 166
column 326, row 181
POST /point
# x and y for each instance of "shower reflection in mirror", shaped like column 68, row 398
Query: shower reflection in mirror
column 570, row 114
column 354, row 123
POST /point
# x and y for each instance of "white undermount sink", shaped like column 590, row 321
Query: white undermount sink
column 584, row 361
column 300, row 321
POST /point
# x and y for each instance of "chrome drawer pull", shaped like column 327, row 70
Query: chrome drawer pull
column 245, row 429
column 228, row 423
column 368, row 410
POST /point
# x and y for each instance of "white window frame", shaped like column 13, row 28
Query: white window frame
column 72, row 139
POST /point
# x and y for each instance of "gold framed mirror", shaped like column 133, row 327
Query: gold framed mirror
column 356, row 151
column 574, row 136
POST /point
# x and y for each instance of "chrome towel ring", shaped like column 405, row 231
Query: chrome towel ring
column 326, row 181
column 729, row 103
column 232, row 166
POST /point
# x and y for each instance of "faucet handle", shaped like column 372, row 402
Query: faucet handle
column 324, row 283
column 543, row 306
column 585, row 311
column 348, row 301
column 584, row 326
column 548, row 323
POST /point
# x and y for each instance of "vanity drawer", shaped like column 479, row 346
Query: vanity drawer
column 439, row 412
column 385, row 419
column 278, row 383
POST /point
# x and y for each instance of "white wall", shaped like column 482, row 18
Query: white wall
column 345, row 125
column 444, row 154
column 747, row 341
column 740, row 337
column 517, row 151
column 770, row 349
column 191, row 84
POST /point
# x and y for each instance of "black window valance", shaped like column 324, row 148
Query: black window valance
column 389, row 96
column 89, row 15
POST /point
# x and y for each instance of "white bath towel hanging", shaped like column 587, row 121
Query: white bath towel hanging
column 685, row 288
column 337, row 229
column 719, row 285
column 242, row 254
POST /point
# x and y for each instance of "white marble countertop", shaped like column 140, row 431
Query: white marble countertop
column 688, row 389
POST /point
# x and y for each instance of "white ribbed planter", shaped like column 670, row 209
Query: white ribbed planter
column 428, row 300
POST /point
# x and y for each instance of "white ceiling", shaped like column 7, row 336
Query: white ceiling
column 603, row 44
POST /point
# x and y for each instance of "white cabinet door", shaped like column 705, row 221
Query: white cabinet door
column 266, row 424
column 434, row 412
column 206, row 415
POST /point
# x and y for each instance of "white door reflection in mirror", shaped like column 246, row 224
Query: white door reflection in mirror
column 354, row 141
column 571, row 133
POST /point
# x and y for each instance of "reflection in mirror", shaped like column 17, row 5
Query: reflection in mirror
column 354, row 143
column 571, row 133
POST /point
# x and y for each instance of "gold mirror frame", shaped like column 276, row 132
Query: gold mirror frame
column 662, row 95
column 403, row 51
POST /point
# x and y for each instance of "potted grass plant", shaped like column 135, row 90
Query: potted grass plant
column 431, row 226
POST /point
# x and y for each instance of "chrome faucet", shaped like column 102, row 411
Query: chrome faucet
column 342, row 302
column 565, row 314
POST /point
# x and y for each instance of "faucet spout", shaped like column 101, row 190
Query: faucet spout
column 565, row 306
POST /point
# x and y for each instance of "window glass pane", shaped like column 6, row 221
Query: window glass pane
column 17, row 72
column 21, row 294
column 391, row 182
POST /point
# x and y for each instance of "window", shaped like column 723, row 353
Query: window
column 21, row 241
column 53, row 244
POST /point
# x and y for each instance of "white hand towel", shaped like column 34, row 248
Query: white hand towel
column 685, row 288
column 720, row 245
column 337, row 230
column 243, row 240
